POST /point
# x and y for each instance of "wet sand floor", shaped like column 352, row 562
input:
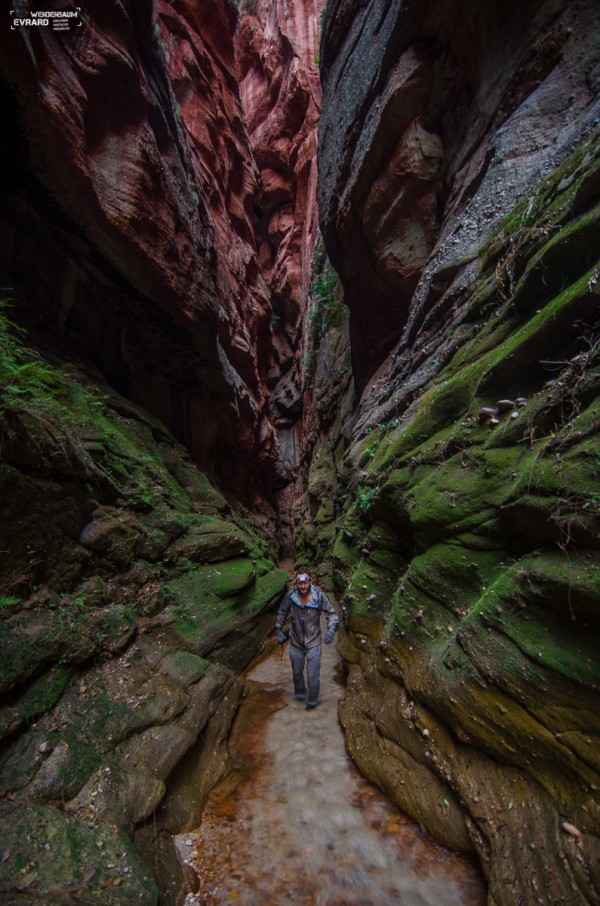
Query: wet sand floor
column 295, row 823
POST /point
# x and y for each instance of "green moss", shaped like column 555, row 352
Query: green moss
column 25, row 645
column 10, row 601
column 528, row 603
column 208, row 602
column 445, row 409
column 79, row 865
column 489, row 527
column 263, row 566
column 231, row 577
column 185, row 667
column 209, row 540
column 325, row 310
column 41, row 695
column 262, row 593
column 369, row 590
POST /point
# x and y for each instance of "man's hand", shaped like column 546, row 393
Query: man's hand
column 329, row 637
column 280, row 636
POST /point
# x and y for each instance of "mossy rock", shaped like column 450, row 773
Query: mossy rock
column 210, row 541
column 68, row 635
column 322, row 472
column 184, row 667
column 483, row 506
column 194, row 482
column 39, row 697
column 32, row 640
column 370, row 589
column 324, row 515
column 115, row 536
column 558, row 261
column 548, row 612
column 456, row 498
column 210, row 602
column 231, row 577
column 52, row 857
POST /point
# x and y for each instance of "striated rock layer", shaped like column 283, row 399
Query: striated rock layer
column 160, row 239
column 459, row 193
column 437, row 117
column 276, row 59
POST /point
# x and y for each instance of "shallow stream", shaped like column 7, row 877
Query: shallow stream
column 295, row 823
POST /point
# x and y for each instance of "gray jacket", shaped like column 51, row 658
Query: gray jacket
column 305, row 626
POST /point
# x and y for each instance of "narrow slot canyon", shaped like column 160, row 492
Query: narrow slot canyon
column 293, row 282
column 294, row 821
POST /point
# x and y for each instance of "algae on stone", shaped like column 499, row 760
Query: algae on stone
column 467, row 558
column 130, row 585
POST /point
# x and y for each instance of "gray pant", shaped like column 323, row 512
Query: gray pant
column 312, row 656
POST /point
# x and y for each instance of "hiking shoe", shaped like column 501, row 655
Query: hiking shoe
column 311, row 705
column 300, row 696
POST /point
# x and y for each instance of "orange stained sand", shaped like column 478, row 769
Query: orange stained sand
column 295, row 823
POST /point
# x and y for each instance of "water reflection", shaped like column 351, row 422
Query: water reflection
column 294, row 822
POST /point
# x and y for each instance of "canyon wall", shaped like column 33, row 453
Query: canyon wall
column 166, row 249
column 458, row 191
column 158, row 217
column 133, row 594
column 276, row 56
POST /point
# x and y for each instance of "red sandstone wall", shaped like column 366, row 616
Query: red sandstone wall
column 276, row 57
column 161, row 209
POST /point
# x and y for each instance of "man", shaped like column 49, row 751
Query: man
column 304, row 605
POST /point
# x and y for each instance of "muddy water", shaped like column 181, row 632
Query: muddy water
column 294, row 823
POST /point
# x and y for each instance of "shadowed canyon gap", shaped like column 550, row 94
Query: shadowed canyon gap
column 187, row 390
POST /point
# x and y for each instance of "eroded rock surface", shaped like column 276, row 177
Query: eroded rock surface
column 276, row 59
column 459, row 200
column 168, row 202
column 158, row 219
column 133, row 594
column 437, row 117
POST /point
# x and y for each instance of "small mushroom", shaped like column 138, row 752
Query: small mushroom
column 486, row 413
column 505, row 405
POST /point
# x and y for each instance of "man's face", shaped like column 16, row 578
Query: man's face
column 303, row 582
